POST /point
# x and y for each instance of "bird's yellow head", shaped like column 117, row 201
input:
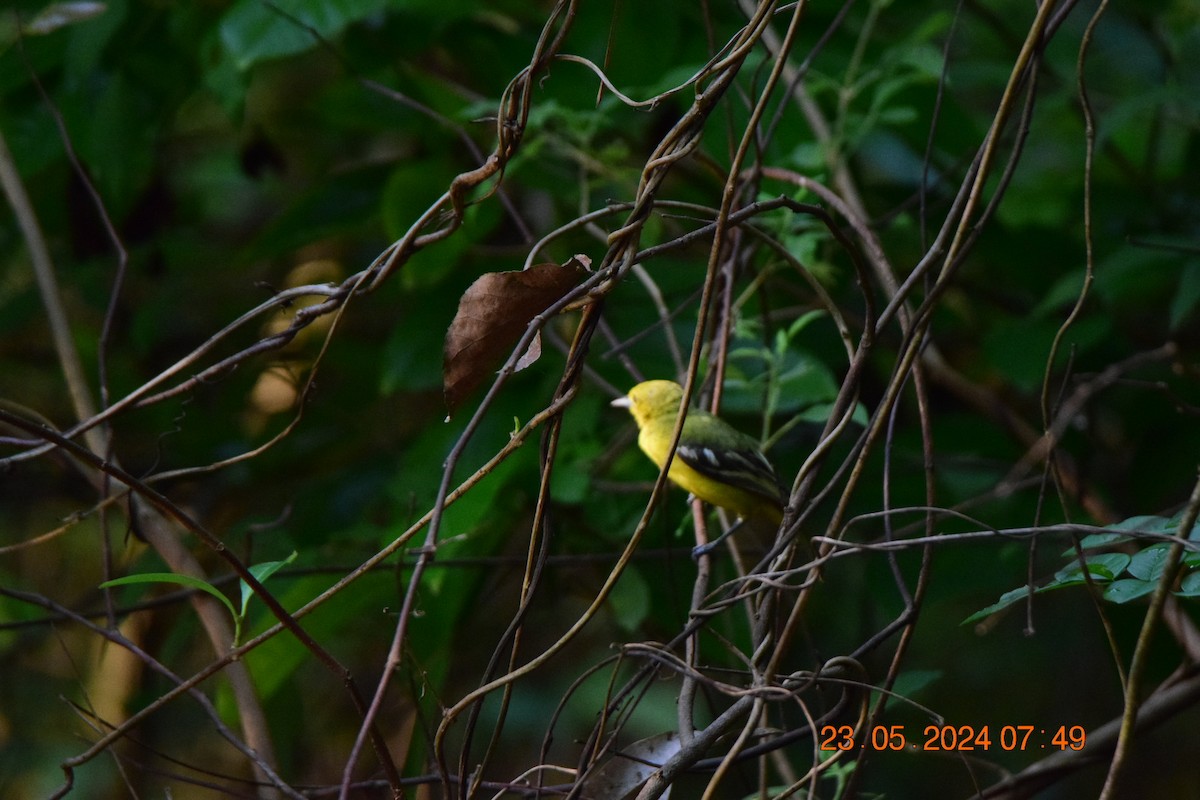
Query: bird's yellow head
column 652, row 399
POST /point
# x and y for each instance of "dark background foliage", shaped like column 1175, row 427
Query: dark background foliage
column 193, row 165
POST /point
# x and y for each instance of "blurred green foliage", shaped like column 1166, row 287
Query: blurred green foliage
column 242, row 148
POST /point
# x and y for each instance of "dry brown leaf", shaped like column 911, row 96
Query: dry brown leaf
column 628, row 769
column 492, row 316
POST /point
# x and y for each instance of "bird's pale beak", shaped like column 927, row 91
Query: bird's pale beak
column 621, row 402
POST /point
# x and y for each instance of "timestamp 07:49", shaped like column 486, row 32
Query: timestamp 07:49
column 954, row 737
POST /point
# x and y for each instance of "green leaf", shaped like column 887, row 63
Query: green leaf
column 1132, row 278
column 262, row 571
column 1063, row 293
column 1097, row 540
column 1102, row 567
column 910, row 683
column 1127, row 589
column 803, row 321
column 1187, row 295
column 1006, row 600
column 1148, row 565
column 581, row 443
column 171, row 577
column 1190, row 585
column 1143, row 523
column 630, row 600
column 796, row 379
column 821, row 412
column 406, row 366
column 253, row 31
column 276, row 660
column 1146, row 523
column 1017, row 348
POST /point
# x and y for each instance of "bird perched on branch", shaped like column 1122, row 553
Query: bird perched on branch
column 713, row 460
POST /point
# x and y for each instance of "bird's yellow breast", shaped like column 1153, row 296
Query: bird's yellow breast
column 741, row 502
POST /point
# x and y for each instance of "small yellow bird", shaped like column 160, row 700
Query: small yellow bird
column 713, row 461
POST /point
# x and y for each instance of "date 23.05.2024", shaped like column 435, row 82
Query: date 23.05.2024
column 955, row 738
